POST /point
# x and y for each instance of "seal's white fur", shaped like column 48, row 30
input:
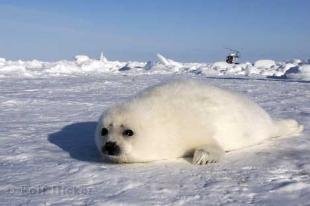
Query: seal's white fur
column 187, row 118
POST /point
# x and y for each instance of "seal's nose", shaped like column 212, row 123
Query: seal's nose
column 111, row 148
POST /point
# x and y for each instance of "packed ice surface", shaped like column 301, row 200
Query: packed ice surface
column 48, row 155
column 85, row 65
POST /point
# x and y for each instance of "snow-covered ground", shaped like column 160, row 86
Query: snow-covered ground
column 83, row 65
column 49, row 113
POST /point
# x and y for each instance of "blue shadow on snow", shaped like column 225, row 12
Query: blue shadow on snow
column 78, row 140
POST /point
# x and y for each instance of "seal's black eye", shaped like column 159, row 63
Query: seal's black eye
column 128, row 132
column 104, row 131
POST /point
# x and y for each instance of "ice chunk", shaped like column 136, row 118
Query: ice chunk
column 264, row 63
column 103, row 58
column 295, row 61
column 81, row 59
column 168, row 62
column 148, row 65
column 302, row 73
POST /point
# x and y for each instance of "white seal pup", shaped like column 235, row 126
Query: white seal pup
column 185, row 118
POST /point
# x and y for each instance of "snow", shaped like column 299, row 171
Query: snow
column 302, row 72
column 296, row 61
column 81, row 59
column 263, row 63
column 84, row 65
column 168, row 62
column 48, row 156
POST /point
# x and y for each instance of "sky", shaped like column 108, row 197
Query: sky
column 183, row 30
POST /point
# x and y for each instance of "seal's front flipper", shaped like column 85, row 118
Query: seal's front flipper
column 208, row 154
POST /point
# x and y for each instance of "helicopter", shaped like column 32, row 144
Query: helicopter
column 233, row 56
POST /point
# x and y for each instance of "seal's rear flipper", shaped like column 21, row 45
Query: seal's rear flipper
column 288, row 128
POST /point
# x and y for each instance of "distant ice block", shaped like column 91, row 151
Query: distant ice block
column 301, row 73
column 148, row 65
column 264, row 63
column 80, row 59
column 168, row 62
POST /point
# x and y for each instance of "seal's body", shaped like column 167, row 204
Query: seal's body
column 185, row 118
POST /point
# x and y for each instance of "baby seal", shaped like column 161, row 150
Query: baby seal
column 185, row 119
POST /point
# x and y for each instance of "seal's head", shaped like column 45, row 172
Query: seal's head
column 126, row 135
column 113, row 136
